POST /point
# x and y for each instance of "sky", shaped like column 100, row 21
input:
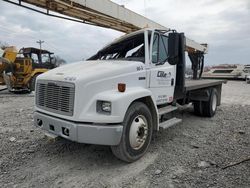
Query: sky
column 223, row 24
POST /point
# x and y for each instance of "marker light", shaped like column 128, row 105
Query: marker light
column 121, row 87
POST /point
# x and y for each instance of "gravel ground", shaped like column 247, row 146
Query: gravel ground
column 192, row 154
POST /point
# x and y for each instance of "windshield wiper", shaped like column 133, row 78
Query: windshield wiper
column 159, row 63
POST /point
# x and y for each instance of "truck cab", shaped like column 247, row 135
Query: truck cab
column 123, row 93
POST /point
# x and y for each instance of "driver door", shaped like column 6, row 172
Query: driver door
column 162, row 74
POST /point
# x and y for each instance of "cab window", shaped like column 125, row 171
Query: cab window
column 155, row 48
column 163, row 49
column 159, row 50
column 35, row 58
column 45, row 58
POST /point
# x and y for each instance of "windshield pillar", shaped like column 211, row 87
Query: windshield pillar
column 147, row 48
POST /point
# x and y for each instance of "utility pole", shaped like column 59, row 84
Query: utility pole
column 40, row 43
column 40, row 55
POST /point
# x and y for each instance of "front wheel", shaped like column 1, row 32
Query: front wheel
column 32, row 83
column 137, row 133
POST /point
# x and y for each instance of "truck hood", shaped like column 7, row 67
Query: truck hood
column 89, row 70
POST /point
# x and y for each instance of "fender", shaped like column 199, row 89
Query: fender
column 120, row 102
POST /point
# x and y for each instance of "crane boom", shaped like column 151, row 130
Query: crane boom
column 103, row 13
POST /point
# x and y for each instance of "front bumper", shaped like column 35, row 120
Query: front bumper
column 80, row 132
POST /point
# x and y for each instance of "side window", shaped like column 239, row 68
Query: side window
column 45, row 58
column 155, row 49
column 163, row 49
column 34, row 58
column 165, row 41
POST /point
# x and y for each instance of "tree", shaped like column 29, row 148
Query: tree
column 4, row 45
column 58, row 61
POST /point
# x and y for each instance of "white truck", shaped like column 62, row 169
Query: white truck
column 129, row 89
column 124, row 93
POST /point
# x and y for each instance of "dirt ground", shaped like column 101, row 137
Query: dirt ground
column 192, row 154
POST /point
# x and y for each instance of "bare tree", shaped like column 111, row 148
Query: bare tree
column 3, row 45
column 58, row 61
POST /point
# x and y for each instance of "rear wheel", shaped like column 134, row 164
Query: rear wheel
column 137, row 133
column 198, row 108
column 210, row 106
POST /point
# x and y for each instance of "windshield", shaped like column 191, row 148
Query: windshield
column 45, row 58
column 130, row 48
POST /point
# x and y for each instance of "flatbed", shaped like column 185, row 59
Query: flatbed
column 203, row 83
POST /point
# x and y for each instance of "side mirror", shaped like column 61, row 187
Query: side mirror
column 173, row 48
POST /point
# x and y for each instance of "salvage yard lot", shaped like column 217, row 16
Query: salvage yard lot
column 191, row 154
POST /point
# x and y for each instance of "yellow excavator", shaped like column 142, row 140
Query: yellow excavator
column 18, row 70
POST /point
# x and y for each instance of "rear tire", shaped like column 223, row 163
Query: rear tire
column 198, row 108
column 210, row 106
column 137, row 133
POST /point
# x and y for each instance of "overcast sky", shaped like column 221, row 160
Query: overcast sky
column 223, row 24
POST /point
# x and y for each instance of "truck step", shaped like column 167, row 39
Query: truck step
column 166, row 110
column 169, row 123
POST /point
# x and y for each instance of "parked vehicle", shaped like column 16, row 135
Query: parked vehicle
column 124, row 93
column 224, row 71
column 248, row 79
column 246, row 72
column 228, row 71
column 129, row 89
column 18, row 70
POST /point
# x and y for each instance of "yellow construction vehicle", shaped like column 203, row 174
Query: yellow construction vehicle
column 18, row 70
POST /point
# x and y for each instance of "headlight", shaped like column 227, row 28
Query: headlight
column 103, row 107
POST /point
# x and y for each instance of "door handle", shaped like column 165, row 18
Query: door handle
column 172, row 81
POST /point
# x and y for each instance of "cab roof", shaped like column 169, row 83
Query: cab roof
column 29, row 50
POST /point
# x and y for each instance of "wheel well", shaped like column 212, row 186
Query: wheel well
column 36, row 73
column 150, row 104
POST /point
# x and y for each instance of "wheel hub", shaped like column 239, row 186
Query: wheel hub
column 138, row 132
column 214, row 103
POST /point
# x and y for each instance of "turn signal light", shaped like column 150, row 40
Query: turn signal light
column 121, row 87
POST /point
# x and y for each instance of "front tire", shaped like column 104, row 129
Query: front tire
column 32, row 83
column 137, row 133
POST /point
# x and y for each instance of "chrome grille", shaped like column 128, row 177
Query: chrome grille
column 54, row 96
